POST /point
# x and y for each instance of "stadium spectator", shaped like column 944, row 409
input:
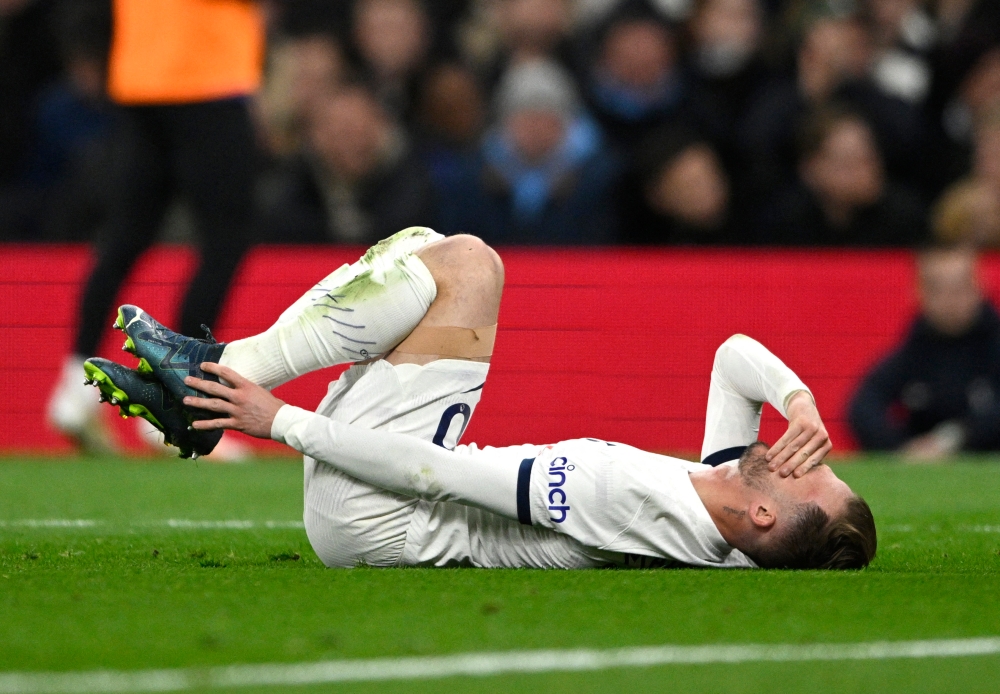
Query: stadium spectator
column 635, row 81
column 302, row 69
column 938, row 392
column 833, row 66
column 64, row 189
column 726, row 56
column 969, row 31
column 180, row 70
column 451, row 117
column 27, row 64
column 501, row 33
column 357, row 178
column 542, row 174
column 844, row 196
column 904, row 39
column 969, row 211
column 685, row 193
column 392, row 38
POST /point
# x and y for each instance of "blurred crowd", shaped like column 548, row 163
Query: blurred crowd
column 799, row 122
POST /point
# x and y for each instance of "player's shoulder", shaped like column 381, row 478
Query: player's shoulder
column 624, row 452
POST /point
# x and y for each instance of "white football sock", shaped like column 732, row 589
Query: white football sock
column 359, row 312
column 73, row 405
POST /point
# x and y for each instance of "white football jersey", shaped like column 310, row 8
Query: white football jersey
column 617, row 498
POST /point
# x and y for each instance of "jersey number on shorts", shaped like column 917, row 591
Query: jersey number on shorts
column 459, row 408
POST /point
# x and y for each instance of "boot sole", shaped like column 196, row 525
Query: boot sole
column 127, row 409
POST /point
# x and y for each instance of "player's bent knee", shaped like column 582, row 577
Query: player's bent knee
column 464, row 261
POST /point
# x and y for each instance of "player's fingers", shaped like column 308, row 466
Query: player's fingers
column 223, row 372
column 805, row 458
column 210, row 404
column 213, row 424
column 789, row 435
column 209, row 387
column 814, row 459
column 788, row 452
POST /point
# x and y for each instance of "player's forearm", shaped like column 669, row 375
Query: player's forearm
column 748, row 369
column 400, row 463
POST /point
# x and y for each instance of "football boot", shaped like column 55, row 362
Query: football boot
column 140, row 395
column 168, row 356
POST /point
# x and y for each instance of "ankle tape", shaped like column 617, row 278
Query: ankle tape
column 458, row 343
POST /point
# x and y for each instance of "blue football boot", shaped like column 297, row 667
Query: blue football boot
column 138, row 395
column 166, row 355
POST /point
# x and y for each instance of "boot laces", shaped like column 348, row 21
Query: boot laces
column 209, row 337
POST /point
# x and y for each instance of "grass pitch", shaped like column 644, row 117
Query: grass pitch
column 136, row 565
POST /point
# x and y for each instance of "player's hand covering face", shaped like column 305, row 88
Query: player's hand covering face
column 805, row 443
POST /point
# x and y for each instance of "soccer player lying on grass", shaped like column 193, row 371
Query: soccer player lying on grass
column 386, row 483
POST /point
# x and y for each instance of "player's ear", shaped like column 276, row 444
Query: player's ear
column 762, row 515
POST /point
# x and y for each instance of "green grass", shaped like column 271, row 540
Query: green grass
column 129, row 592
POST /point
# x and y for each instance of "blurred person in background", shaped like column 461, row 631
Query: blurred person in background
column 966, row 81
column 973, row 101
column 726, row 59
column 72, row 130
column 939, row 392
column 833, row 65
column 685, row 192
column 392, row 38
column 501, row 33
column 181, row 72
column 844, row 196
column 904, row 40
column 301, row 70
column 969, row 211
column 542, row 174
column 451, row 116
column 635, row 81
column 356, row 179
column 27, row 63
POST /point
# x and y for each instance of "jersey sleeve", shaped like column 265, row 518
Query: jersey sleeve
column 484, row 478
column 745, row 375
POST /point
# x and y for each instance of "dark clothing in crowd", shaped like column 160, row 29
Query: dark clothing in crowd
column 897, row 219
column 650, row 228
column 933, row 378
column 568, row 201
column 304, row 205
column 27, row 63
column 730, row 97
column 627, row 120
column 769, row 133
column 205, row 152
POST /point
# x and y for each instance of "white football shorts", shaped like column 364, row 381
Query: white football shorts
column 349, row 522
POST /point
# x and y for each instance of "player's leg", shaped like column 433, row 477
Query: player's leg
column 214, row 154
column 140, row 187
column 359, row 312
column 414, row 392
column 461, row 323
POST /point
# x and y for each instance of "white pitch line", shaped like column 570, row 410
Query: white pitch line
column 476, row 665
column 175, row 523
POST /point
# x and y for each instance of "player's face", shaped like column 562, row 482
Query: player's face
column 819, row 485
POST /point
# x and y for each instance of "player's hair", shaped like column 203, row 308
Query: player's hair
column 814, row 541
